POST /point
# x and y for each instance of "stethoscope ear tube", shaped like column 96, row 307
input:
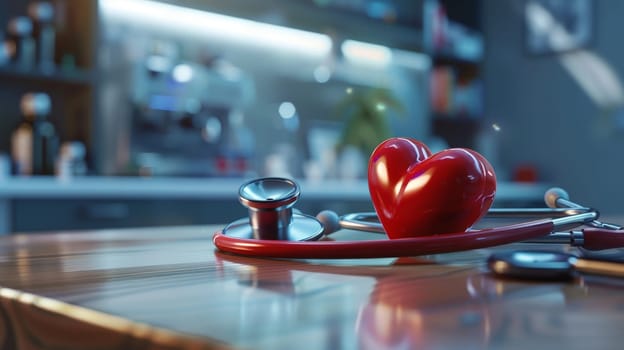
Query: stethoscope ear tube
column 368, row 221
column 443, row 243
column 599, row 239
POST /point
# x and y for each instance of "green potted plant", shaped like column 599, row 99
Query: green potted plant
column 365, row 113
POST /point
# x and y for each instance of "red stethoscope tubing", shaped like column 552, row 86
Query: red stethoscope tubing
column 424, row 245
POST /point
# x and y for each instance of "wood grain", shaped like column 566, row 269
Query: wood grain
column 168, row 288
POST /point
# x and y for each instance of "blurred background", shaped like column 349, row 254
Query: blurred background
column 143, row 112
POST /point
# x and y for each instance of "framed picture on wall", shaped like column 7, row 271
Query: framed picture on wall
column 554, row 26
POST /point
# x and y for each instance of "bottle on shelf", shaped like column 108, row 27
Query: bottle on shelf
column 34, row 142
column 71, row 160
column 20, row 32
column 7, row 51
column 42, row 14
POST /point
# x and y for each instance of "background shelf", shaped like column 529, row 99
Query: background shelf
column 74, row 76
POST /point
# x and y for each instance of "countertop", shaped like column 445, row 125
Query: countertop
column 168, row 288
column 218, row 188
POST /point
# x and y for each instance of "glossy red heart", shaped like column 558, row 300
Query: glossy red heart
column 416, row 193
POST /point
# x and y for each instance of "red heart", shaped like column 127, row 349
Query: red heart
column 416, row 193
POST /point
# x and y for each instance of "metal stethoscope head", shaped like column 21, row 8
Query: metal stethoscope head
column 270, row 203
column 274, row 230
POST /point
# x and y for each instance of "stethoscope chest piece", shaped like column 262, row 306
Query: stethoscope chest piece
column 543, row 265
column 270, row 203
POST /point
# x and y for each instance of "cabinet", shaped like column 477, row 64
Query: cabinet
column 71, row 83
column 61, row 213
column 452, row 37
column 456, row 100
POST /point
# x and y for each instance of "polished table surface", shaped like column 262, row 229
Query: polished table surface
column 168, row 288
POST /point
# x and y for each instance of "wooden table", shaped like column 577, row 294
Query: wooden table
column 168, row 288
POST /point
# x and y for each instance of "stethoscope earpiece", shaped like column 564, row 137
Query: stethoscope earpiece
column 330, row 221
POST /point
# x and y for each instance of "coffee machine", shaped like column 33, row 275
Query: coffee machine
column 187, row 117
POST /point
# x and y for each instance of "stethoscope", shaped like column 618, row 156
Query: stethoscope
column 274, row 230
